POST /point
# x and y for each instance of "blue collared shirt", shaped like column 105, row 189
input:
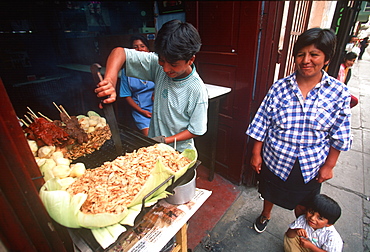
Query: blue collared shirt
column 292, row 127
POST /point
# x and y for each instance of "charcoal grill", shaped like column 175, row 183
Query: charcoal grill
column 131, row 140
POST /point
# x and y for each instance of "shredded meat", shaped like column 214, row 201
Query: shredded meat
column 113, row 186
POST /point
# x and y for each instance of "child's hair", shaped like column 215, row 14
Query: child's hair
column 326, row 207
column 351, row 37
column 323, row 39
column 177, row 41
column 139, row 37
column 350, row 56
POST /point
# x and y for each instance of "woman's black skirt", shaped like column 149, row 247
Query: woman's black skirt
column 290, row 193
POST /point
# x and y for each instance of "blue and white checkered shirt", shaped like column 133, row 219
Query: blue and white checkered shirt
column 292, row 127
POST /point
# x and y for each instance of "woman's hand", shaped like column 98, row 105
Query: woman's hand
column 325, row 173
column 256, row 159
column 256, row 163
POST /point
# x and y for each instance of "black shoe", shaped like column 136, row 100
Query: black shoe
column 260, row 224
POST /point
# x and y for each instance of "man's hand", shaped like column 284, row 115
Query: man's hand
column 106, row 89
column 160, row 139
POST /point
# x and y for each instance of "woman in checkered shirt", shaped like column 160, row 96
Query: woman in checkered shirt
column 300, row 128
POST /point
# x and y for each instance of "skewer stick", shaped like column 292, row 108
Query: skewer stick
column 32, row 115
column 32, row 112
column 175, row 143
column 26, row 124
column 64, row 111
column 28, row 119
column 45, row 117
column 57, row 107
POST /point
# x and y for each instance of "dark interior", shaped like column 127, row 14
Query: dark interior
column 39, row 37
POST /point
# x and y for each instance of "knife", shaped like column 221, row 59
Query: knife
column 108, row 111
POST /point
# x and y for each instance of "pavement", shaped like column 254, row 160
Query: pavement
column 350, row 187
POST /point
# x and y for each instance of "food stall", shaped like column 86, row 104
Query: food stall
column 23, row 171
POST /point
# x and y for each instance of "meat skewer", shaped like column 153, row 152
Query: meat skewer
column 45, row 117
column 66, row 132
column 32, row 113
column 30, row 121
column 26, row 124
column 64, row 111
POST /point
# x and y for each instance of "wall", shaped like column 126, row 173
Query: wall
column 322, row 14
column 161, row 19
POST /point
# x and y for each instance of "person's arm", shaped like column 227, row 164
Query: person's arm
column 183, row 135
column 107, row 87
column 303, row 237
column 306, row 243
column 291, row 233
column 256, row 159
column 326, row 171
column 133, row 104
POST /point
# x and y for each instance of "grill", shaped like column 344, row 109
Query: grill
column 131, row 140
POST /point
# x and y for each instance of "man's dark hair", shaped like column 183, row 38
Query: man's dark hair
column 177, row 41
column 139, row 37
column 326, row 207
column 323, row 39
column 350, row 56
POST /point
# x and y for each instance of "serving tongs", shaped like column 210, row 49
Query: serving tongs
column 108, row 111
column 185, row 177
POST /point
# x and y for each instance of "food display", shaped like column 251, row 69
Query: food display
column 45, row 132
column 120, row 180
column 75, row 136
column 105, row 195
column 107, row 198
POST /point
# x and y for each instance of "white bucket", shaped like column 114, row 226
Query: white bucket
column 184, row 192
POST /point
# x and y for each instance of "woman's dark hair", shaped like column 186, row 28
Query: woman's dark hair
column 323, row 39
column 177, row 41
column 326, row 207
column 350, row 56
column 139, row 37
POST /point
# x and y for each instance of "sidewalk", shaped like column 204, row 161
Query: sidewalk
column 350, row 187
